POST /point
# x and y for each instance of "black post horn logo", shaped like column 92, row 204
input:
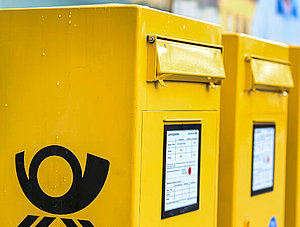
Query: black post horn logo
column 84, row 189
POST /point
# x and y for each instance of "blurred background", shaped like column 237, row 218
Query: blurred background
column 271, row 19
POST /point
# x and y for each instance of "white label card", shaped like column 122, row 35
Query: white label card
column 182, row 153
column 263, row 158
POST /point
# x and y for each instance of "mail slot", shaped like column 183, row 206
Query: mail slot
column 177, row 60
column 253, row 132
column 269, row 74
column 109, row 117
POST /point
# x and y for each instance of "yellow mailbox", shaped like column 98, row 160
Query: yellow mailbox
column 253, row 132
column 109, row 116
column 292, row 213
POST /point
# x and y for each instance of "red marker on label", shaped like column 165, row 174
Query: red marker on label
column 268, row 159
column 190, row 170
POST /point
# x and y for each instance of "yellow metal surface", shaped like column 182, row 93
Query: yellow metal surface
column 271, row 75
column 241, row 109
column 151, row 166
column 186, row 62
column 76, row 77
column 292, row 213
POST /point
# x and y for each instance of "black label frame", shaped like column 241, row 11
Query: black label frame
column 189, row 208
column 268, row 189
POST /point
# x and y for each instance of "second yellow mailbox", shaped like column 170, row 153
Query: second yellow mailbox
column 253, row 132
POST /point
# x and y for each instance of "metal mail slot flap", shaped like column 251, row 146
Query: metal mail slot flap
column 270, row 75
column 178, row 61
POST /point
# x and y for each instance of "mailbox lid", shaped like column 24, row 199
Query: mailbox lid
column 178, row 60
column 271, row 75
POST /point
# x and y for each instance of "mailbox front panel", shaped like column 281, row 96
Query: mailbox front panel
column 260, row 168
column 179, row 183
column 253, row 132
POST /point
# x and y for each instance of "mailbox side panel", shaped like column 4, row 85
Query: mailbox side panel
column 292, row 166
column 67, row 79
column 227, row 173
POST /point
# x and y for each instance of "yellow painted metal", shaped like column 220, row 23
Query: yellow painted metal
column 178, row 61
column 271, row 75
column 292, row 213
column 77, row 77
column 241, row 109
